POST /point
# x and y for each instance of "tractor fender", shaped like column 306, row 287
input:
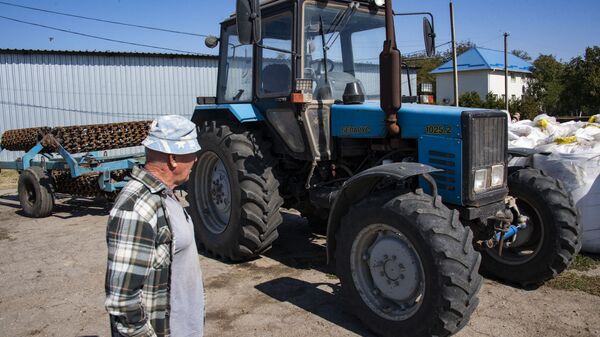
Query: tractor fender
column 237, row 113
column 359, row 186
column 519, row 158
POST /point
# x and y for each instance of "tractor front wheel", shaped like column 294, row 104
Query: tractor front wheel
column 407, row 266
column 552, row 238
column 233, row 194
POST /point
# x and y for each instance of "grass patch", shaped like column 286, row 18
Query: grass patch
column 585, row 263
column 572, row 281
column 9, row 178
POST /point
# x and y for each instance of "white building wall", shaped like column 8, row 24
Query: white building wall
column 467, row 81
column 516, row 82
column 480, row 81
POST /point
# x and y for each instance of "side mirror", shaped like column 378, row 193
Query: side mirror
column 211, row 41
column 429, row 36
column 248, row 21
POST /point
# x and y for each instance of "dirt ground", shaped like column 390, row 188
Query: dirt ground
column 52, row 284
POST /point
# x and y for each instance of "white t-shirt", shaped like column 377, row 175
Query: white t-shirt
column 187, row 291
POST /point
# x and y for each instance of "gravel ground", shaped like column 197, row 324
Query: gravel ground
column 52, row 277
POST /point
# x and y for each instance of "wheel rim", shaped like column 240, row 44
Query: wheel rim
column 529, row 240
column 214, row 190
column 387, row 272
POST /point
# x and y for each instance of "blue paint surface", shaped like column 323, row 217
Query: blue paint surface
column 245, row 112
column 441, row 150
column 445, row 154
column 348, row 121
column 358, row 121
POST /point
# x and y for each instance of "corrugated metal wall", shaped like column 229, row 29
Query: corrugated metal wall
column 53, row 89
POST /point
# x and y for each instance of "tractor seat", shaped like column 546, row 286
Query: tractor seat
column 276, row 78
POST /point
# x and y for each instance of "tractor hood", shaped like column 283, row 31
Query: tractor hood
column 367, row 120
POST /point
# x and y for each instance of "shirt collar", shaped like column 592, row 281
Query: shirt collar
column 153, row 183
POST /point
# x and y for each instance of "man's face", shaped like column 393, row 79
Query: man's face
column 184, row 163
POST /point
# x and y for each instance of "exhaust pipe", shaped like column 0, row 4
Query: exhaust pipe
column 389, row 74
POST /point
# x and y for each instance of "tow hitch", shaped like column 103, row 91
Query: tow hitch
column 506, row 228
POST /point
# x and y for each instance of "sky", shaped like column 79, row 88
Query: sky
column 558, row 27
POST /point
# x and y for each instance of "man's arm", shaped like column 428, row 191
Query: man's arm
column 130, row 240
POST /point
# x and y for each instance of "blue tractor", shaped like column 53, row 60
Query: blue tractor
column 416, row 199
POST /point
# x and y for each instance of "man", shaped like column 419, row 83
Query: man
column 153, row 278
column 516, row 117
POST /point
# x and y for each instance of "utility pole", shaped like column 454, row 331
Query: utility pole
column 506, row 71
column 454, row 63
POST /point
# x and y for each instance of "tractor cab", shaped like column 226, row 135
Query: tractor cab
column 288, row 63
column 331, row 43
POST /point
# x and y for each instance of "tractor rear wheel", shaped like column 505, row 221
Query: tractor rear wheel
column 551, row 240
column 35, row 192
column 233, row 194
column 407, row 266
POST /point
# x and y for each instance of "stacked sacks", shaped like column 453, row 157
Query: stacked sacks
column 574, row 160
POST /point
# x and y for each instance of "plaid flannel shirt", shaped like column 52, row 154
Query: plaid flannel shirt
column 139, row 259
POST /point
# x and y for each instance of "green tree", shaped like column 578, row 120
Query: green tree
column 461, row 47
column 581, row 79
column 528, row 107
column 591, row 80
column 522, row 54
column 493, row 101
column 424, row 66
column 547, row 83
column 471, row 99
column 572, row 97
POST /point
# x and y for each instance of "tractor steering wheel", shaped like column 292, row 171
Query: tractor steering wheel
column 319, row 63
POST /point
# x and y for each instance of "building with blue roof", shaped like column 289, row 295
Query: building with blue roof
column 482, row 70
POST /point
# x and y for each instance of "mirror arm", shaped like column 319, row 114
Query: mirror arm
column 419, row 13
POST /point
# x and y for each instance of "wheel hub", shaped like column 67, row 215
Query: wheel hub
column 220, row 190
column 214, row 190
column 387, row 271
column 393, row 267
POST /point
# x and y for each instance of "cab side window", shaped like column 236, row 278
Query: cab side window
column 276, row 66
column 236, row 69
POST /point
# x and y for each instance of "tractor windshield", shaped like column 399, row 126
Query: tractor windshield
column 353, row 38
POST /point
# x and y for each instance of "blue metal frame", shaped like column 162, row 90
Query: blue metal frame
column 243, row 112
column 78, row 165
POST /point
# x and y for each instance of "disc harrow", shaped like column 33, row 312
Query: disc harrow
column 83, row 186
column 80, row 138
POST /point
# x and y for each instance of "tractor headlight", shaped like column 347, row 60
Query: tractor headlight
column 497, row 177
column 379, row 3
column 480, row 182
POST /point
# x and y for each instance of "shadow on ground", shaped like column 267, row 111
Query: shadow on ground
column 309, row 297
column 297, row 247
column 65, row 207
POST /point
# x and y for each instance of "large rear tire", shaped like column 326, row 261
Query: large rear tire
column 407, row 266
column 36, row 192
column 551, row 240
column 233, row 194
